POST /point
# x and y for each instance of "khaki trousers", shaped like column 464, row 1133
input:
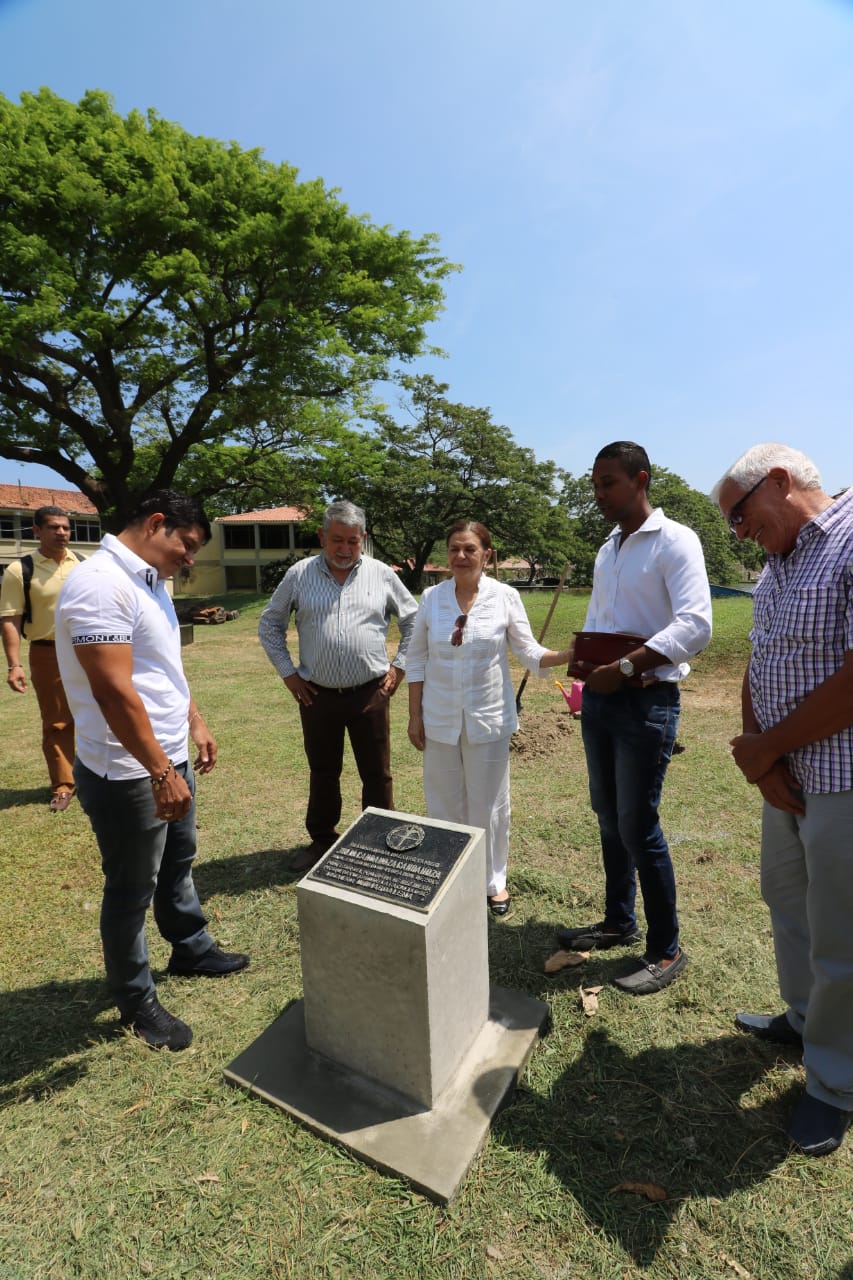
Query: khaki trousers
column 57, row 739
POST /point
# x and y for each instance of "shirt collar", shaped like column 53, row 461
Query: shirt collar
column 324, row 567
column 824, row 520
column 133, row 563
column 650, row 524
column 40, row 559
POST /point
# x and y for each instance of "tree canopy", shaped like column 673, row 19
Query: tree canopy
column 446, row 460
column 723, row 555
column 171, row 291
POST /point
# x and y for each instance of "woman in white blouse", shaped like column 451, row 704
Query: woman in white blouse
column 461, row 703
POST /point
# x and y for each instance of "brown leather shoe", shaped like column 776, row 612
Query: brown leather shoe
column 60, row 800
column 311, row 855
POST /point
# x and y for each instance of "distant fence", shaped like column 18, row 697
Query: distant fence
column 717, row 592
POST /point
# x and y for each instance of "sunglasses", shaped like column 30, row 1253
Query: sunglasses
column 456, row 638
column 736, row 516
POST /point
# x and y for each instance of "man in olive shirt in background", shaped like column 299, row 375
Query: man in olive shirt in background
column 50, row 566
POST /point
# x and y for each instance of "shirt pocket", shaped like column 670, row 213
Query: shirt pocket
column 809, row 615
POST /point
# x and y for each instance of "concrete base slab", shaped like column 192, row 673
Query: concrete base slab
column 430, row 1148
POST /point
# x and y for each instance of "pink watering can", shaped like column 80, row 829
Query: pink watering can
column 573, row 697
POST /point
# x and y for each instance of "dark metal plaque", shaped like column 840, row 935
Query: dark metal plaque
column 394, row 859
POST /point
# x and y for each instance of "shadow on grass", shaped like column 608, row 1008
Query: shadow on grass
column 10, row 799
column 246, row 872
column 670, row 1118
column 664, row 1116
column 41, row 1028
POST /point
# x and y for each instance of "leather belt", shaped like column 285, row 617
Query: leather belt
column 353, row 688
column 52, row 643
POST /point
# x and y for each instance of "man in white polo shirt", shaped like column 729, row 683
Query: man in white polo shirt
column 119, row 651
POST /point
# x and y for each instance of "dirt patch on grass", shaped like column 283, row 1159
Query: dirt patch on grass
column 543, row 733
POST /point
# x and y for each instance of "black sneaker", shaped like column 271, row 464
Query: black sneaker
column 596, row 937
column 153, row 1024
column 769, row 1026
column 213, row 964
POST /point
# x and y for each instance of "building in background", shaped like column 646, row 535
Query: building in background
column 20, row 502
column 242, row 545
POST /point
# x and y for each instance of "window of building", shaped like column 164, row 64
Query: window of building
column 239, row 537
column 7, row 527
column 85, row 530
column 274, row 536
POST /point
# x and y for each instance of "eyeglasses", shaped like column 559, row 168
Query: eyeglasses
column 456, row 638
column 736, row 516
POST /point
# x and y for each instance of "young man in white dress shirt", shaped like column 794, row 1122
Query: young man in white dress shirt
column 649, row 581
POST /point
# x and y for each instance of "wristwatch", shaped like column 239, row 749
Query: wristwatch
column 626, row 666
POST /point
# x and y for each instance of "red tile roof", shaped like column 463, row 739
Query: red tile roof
column 271, row 515
column 23, row 497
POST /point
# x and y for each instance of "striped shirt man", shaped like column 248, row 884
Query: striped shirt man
column 342, row 628
column 343, row 602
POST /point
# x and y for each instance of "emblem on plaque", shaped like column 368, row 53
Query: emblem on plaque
column 404, row 837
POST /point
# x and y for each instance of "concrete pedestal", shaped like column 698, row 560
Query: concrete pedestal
column 399, row 1050
column 395, row 993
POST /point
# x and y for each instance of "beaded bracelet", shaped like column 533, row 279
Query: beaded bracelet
column 195, row 715
column 157, row 783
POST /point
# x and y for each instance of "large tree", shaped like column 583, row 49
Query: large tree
column 442, row 461
column 167, row 287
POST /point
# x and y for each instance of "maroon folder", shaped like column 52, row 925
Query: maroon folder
column 599, row 647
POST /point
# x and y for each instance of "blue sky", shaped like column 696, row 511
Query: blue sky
column 651, row 201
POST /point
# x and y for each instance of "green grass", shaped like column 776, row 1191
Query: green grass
column 117, row 1162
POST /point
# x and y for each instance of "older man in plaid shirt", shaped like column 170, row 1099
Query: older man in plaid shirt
column 797, row 747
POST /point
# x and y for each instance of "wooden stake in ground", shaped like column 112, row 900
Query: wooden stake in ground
column 545, row 624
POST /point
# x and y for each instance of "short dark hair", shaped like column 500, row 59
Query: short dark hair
column 43, row 512
column 471, row 526
column 632, row 457
column 181, row 511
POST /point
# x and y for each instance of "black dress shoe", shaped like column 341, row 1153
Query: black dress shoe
column 816, row 1127
column 768, row 1026
column 153, row 1024
column 596, row 937
column 651, row 975
column 213, row 964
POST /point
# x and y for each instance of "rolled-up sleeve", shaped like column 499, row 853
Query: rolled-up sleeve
column 417, row 649
column 686, row 581
column 273, row 624
column 519, row 635
column 404, row 605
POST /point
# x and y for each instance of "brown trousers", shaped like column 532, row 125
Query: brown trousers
column 362, row 713
column 57, row 737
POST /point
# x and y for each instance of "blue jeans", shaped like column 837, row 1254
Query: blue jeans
column 628, row 738
column 144, row 860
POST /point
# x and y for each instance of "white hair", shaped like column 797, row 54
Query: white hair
column 760, row 460
column 346, row 513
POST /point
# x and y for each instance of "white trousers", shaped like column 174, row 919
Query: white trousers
column 807, row 882
column 469, row 783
